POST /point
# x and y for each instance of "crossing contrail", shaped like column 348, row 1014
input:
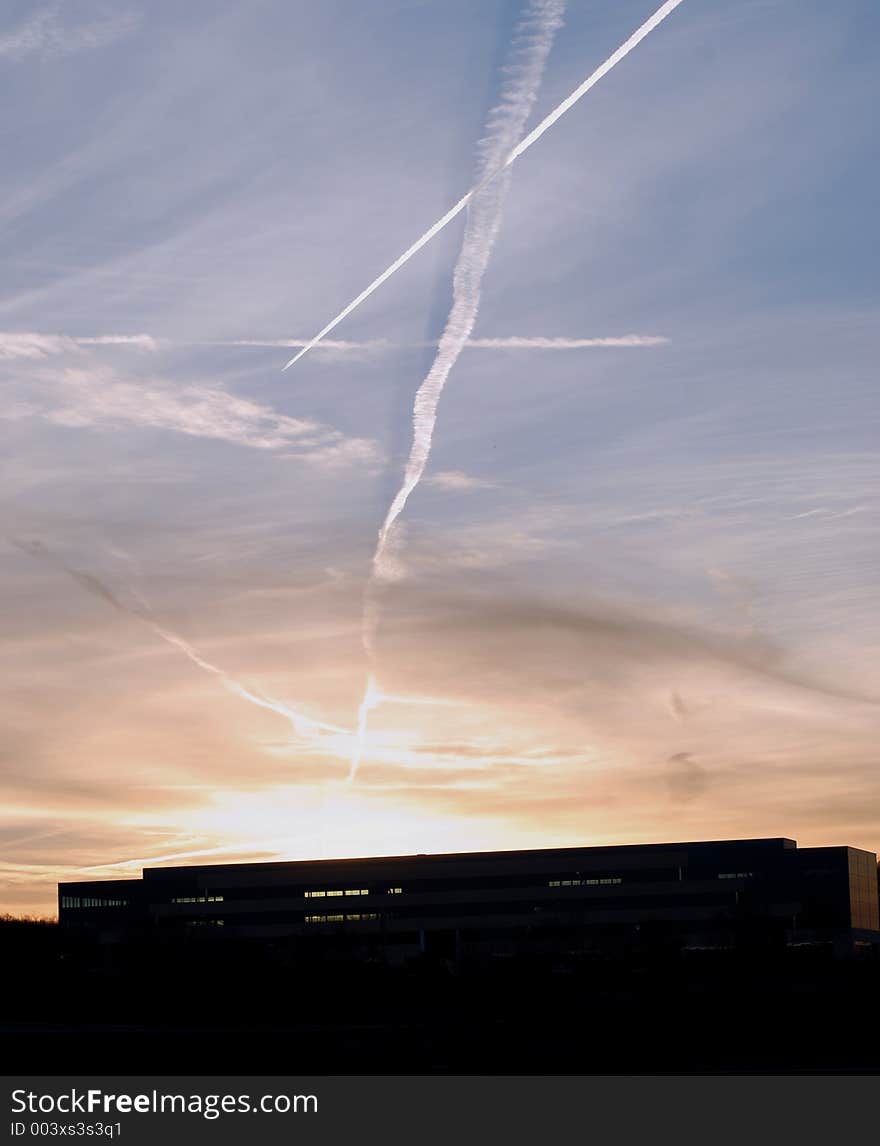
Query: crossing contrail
column 489, row 176
column 528, row 54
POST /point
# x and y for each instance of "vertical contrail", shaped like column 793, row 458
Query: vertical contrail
column 524, row 69
column 503, row 163
column 303, row 725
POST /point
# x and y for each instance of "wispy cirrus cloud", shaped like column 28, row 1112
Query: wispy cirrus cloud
column 32, row 345
column 47, row 35
column 456, row 481
column 96, row 396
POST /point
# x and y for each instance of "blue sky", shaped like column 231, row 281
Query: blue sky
column 638, row 584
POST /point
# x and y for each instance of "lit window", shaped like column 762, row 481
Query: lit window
column 330, row 893
column 357, row 891
column 394, row 891
column 736, row 874
column 606, row 880
column 358, row 918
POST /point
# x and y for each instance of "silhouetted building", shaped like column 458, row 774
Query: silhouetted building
column 557, row 903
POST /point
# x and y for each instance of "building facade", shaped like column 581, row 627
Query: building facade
column 485, row 905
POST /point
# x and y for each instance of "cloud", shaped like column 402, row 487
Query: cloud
column 481, row 546
column 44, row 34
column 327, row 344
column 555, row 728
column 34, row 346
column 483, row 638
column 456, row 481
column 142, row 341
column 341, row 452
column 85, row 397
column 517, row 342
column 28, row 344
column 831, row 514
column 687, row 778
column 505, row 343
column 508, row 342
column 524, row 71
column 302, row 724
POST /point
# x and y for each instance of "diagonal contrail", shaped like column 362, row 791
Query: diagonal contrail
column 531, row 45
column 303, row 725
column 489, row 176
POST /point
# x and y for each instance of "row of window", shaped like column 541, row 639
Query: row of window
column 198, row 899
column 321, row 893
column 342, row 918
column 76, row 901
column 617, row 879
column 584, row 882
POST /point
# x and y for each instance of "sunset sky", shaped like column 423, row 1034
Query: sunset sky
column 634, row 597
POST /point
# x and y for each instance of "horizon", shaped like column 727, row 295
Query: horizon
column 471, row 854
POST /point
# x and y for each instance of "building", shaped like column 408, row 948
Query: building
column 556, row 903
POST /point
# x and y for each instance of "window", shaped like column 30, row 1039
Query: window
column 605, row 880
column 75, row 901
column 357, row 891
column 315, row 894
column 393, row 890
column 736, row 874
column 198, row 899
column 359, row 918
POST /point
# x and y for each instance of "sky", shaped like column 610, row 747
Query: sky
column 632, row 598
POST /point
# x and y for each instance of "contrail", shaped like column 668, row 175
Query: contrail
column 530, row 48
column 17, row 344
column 649, row 25
column 509, row 342
column 303, row 725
